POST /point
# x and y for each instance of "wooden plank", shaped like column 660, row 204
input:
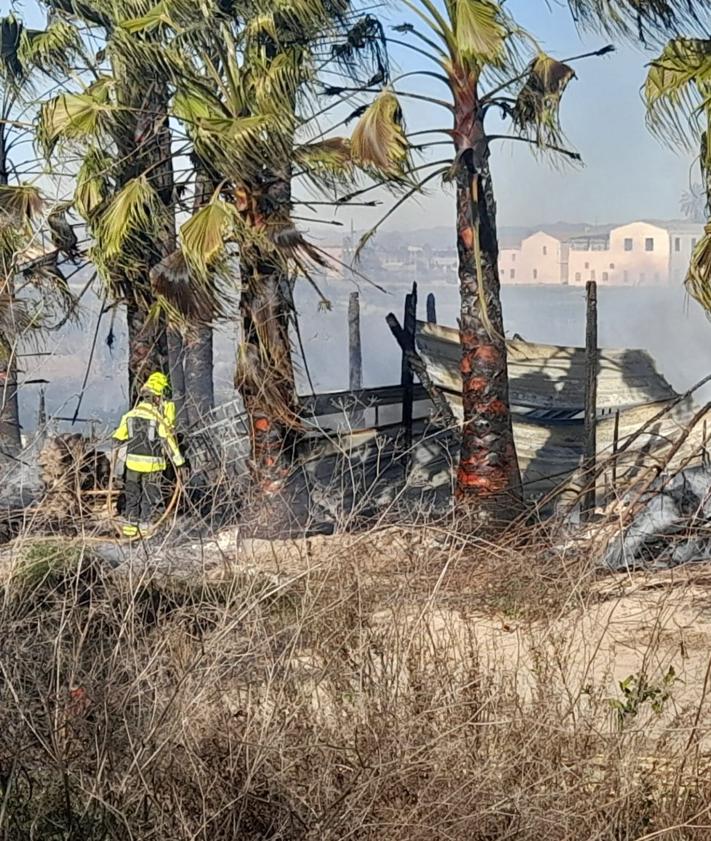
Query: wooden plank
column 550, row 376
column 431, row 309
column 334, row 402
column 591, row 374
column 407, row 377
column 440, row 401
column 355, row 353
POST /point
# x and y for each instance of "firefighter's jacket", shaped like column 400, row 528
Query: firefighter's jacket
column 148, row 439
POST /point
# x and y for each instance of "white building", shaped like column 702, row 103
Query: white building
column 641, row 253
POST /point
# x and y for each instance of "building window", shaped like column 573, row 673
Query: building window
column 545, row 250
column 513, row 258
column 605, row 277
column 626, row 276
column 577, row 277
column 628, row 244
column 649, row 244
column 587, row 265
column 612, row 265
column 535, row 274
column 677, row 244
column 512, row 274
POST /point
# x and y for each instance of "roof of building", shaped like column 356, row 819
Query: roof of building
column 567, row 231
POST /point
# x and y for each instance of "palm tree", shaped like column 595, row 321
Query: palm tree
column 26, row 55
column 471, row 42
column 125, row 189
column 244, row 94
column 678, row 96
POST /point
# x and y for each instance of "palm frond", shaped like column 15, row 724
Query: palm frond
column 537, row 110
column 677, row 84
column 74, row 116
column 158, row 15
column 641, row 19
column 53, row 49
column 204, row 236
column 134, row 209
column 92, row 186
column 11, row 30
column 479, row 30
column 186, row 297
column 20, row 203
column 698, row 278
column 379, row 140
column 328, row 163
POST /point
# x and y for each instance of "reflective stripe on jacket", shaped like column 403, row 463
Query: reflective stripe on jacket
column 148, row 439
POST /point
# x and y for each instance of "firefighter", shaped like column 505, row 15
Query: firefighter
column 159, row 384
column 150, row 445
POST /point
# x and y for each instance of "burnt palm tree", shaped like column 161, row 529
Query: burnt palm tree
column 113, row 129
column 244, row 83
column 28, row 58
column 474, row 48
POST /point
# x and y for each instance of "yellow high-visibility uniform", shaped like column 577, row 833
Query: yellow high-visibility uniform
column 149, row 438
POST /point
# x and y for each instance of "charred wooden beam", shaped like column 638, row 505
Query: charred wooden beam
column 431, row 309
column 591, row 371
column 418, row 366
column 407, row 379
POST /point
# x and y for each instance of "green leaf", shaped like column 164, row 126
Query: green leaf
column 328, row 162
column 678, row 91
column 75, row 116
column 135, row 208
column 204, row 235
column 479, row 31
column 159, row 14
column 52, row 49
column 92, row 182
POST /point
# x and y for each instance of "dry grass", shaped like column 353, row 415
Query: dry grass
column 397, row 685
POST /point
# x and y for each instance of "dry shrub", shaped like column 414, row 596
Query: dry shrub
column 322, row 705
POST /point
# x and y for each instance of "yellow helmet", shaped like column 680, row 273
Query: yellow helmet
column 157, row 383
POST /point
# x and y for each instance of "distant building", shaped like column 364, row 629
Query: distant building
column 644, row 253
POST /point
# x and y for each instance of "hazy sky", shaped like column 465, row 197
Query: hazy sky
column 628, row 173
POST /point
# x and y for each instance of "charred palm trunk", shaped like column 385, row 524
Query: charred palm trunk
column 10, row 439
column 199, row 363
column 144, row 143
column 488, row 479
column 199, row 388
column 265, row 373
column 147, row 343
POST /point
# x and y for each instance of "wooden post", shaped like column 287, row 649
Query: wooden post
column 406, row 376
column 431, row 309
column 355, row 354
column 590, row 433
column 615, row 447
column 41, row 433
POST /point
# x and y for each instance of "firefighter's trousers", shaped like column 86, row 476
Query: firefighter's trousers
column 144, row 495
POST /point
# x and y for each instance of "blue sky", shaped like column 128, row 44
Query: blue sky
column 627, row 174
